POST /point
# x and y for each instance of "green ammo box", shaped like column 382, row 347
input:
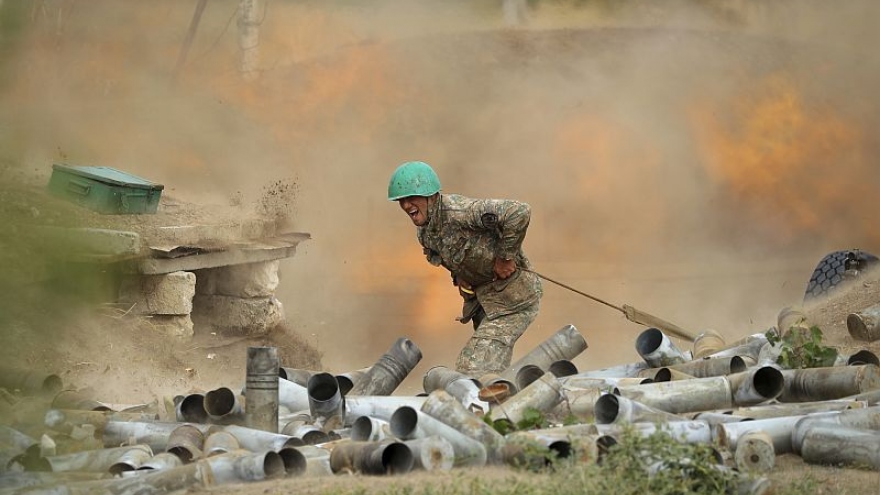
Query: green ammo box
column 105, row 189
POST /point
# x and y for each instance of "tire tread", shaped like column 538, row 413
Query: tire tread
column 829, row 273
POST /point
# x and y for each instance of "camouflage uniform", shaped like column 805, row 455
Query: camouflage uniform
column 465, row 236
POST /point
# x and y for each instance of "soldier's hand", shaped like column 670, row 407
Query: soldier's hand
column 466, row 290
column 504, row 268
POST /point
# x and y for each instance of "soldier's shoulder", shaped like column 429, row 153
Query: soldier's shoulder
column 452, row 200
column 457, row 202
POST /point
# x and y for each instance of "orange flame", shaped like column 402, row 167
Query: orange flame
column 774, row 152
column 427, row 291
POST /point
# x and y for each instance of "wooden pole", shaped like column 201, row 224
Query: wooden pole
column 190, row 34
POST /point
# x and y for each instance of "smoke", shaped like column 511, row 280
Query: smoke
column 694, row 159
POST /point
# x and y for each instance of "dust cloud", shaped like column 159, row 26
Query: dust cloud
column 694, row 159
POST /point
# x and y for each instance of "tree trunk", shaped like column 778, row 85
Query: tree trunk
column 514, row 12
column 190, row 35
column 249, row 38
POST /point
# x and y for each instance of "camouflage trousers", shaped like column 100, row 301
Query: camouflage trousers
column 490, row 349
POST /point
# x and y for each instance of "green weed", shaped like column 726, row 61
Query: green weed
column 656, row 464
column 802, row 347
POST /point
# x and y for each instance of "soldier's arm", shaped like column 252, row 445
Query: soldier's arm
column 432, row 256
column 509, row 219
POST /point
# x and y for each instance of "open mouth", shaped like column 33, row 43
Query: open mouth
column 413, row 213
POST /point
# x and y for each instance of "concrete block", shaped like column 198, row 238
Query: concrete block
column 211, row 234
column 90, row 241
column 169, row 294
column 236, row 316
column 247, row 280
column 174, row 326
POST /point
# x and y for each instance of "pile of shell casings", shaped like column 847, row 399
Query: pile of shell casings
column 294, row 423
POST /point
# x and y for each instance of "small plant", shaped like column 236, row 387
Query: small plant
column 532, row 419
column 660, row 464
column 801, row 347
column 502, row 425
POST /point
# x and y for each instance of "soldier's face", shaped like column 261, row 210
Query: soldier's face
column 416, row 207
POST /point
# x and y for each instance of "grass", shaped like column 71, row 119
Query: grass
column 656, row 464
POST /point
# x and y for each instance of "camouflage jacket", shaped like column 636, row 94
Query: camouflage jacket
column 465, row 236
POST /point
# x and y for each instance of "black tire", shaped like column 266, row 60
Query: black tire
column 836, row 270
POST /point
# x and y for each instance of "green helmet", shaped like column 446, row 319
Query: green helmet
column 413, row 179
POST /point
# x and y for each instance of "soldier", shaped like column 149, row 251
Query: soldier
column 480, row 242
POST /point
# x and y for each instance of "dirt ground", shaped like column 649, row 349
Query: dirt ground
column 790, row 471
